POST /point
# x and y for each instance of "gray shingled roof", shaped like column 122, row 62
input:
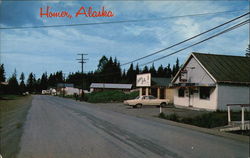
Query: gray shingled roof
column 160, row 81
column 225, row 68
column 111, row 85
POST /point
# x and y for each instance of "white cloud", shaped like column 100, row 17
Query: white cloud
column 186, row 27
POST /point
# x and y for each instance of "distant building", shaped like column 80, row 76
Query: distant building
column 96, row 87
column 60, row 88
column 4, row 83
column 71, row 91
column 50, row 91
column 156, row 86
column 210, row 81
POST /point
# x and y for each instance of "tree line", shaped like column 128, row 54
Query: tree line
column 108, row 71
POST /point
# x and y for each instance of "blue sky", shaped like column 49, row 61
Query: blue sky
column 53, row 49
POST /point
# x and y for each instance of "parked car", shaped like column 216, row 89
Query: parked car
column 146, row 100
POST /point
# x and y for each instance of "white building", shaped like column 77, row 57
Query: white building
column 71, row 91
column 210, row 81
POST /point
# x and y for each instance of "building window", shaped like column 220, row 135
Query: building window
column 181, row 92
column 204, row 92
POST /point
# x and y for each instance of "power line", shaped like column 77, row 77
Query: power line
column 222, row 32
column 227, row 30
column 185, row 40
column 122, row 21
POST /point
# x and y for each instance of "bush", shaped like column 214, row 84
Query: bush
column 207, row 120
column 132, row 95
column 172, row 117
column 109, row 96
column 162, row 115
column 214, row 119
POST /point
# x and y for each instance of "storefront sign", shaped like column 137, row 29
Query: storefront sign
column 143, row 80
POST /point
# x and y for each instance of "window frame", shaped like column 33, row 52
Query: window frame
column 206, row 92
column 181, row 96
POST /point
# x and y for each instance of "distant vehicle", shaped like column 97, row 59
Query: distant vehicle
column 146, row 100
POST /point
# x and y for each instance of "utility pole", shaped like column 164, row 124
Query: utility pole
column 82, row 61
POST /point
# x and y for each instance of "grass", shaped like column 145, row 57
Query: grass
column 109, row 96
column 207, row 120
column 246, row 132
column 13, row 110
column 8, row 97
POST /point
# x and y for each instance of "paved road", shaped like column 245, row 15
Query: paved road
column 63, row 128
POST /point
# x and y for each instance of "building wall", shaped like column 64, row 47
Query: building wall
column 169, row 94
column 232, row 95
column 71, row 91
column 195, row 101
column 196, row 74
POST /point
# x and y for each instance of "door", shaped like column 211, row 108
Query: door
column 191, row 97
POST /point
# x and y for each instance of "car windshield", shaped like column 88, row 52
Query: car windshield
column 152, row 97
column 137, row 97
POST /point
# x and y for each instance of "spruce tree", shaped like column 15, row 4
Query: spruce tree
column 30, row 83
column 13, row 87
column 145, row 69
column 248, row 51
column 22, row 84
column 160, row 71
column 2, row 73
column 152, row 70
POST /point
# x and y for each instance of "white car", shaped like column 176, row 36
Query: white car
column 146, row 100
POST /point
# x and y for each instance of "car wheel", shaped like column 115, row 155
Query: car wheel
column 163, row 105
column 139, row 105
column 134, row 106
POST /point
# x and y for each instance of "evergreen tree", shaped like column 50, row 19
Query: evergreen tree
column 2, row 73
column 160, row 71
column 124, row 75
column 118, row 73
column 44, row 81
column 102, row 62
column 13, row 87
column 57, row 77
column 131, row 74
column 248, row 51
column 35, row 84
column 176, row 67
column 145, row 69
column 137, row 69
column 22, row 84
column 30, row 83
column 153, row 71
column 168, row 71
column 173, row 71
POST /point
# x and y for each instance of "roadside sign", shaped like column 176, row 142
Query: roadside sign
column 143, row 80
